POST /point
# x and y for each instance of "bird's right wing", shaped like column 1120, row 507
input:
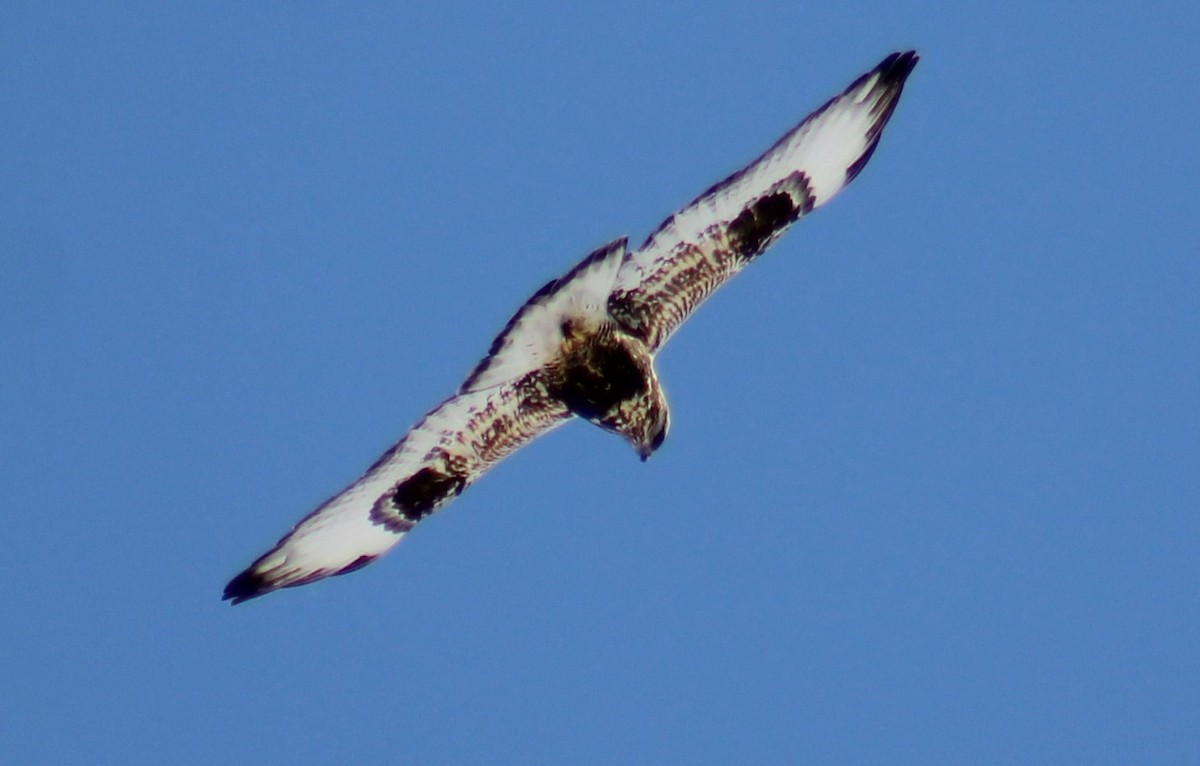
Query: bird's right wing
column 699, row 248
column 503, row 405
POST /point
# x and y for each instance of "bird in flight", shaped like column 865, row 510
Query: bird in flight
column 584, row 344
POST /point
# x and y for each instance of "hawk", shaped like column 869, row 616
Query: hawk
column 584, row 344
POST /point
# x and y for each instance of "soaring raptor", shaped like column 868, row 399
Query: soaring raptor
column 585, row 343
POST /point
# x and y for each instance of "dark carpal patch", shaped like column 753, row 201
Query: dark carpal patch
column 765, row 218
column 607, row 376
column 417, row 496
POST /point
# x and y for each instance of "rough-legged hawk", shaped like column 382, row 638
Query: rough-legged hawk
column 585, row 343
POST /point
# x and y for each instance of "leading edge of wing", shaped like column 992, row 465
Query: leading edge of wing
column 532, row 337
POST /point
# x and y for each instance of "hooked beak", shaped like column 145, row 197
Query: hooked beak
column 646, row 449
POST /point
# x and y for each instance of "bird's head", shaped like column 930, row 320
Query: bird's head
column 654, row 433
column 642, row 419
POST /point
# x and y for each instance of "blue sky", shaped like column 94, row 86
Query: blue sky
column 931, row 489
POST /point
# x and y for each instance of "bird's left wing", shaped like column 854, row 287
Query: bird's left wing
column 696, row 250
column 438, row 458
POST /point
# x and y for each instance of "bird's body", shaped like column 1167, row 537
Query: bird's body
column 584, row 344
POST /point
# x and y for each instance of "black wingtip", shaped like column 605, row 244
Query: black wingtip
column 247, row 585
column 893, row 71
column 897, row 66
